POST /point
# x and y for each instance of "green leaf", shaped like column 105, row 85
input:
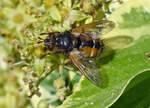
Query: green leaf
column 67, row 3
column 136, row 92
column 121, row 66
column 142, row 20
column 55, row 14
column 76, row 15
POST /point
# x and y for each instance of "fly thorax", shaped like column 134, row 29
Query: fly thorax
column 64, row 41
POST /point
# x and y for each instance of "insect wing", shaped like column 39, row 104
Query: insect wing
column 95, row 29
column 112, row 44
column 87, row 68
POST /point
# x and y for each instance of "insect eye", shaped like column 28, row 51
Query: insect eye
column 46, row 43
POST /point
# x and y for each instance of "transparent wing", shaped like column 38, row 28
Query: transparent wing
column 95, row 29
column 117, row 42
column 87, row 67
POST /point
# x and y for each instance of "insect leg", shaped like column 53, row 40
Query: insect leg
column 44, row 33
column 48, row 54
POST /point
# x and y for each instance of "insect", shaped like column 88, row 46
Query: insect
column 80, row 45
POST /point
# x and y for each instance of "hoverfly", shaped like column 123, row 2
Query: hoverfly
column 79, row 44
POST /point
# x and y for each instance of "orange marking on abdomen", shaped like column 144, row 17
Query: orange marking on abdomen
column 88, row 51
column 94, row 52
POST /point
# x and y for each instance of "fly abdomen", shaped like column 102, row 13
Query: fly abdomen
column 91, row 48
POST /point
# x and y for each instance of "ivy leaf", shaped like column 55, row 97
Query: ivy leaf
column 136, row 92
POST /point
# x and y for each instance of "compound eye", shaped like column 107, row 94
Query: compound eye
column 47, row 42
